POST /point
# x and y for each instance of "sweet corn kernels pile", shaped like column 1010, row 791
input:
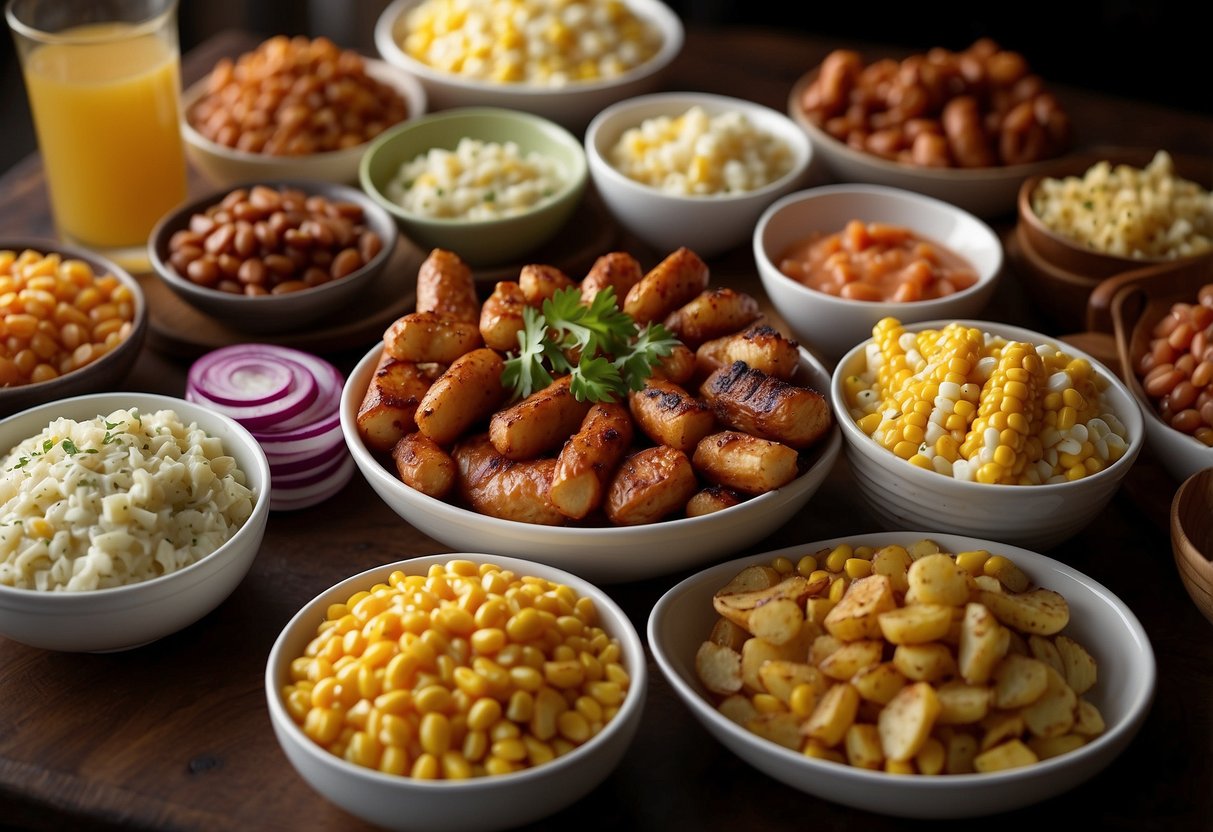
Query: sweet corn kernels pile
column 56, row 316
column 466, row 671
column 699, row 155
column 978, row 407
column 535, row 42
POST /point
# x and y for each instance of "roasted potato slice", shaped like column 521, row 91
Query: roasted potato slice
column 1038, row 611
column 915, row 624
column 936, row 579
column 1052, row 714
column 1018, row 681
column 718, row 667
column 856, row 616
column 1011, row 754
column 1079, row 666
column 739, row 606
column 906, row 721
column 834, row 714
column 983, row 643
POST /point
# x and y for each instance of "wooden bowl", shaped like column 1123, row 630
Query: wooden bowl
column 1128, row 306
column 1060, row 273
column 1192, row 538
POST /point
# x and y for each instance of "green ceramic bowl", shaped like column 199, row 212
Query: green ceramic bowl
column 478, row 242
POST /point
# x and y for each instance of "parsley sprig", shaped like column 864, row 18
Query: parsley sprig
column 597, row 344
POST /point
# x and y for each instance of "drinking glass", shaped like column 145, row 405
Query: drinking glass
column 104, row 85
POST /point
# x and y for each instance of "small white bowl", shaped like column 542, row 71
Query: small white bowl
column 682, row 618
column 832, row 324
column 709, row 224
column 478, row 804
column 987, row 192
column 226, row 166
column 902, row 495
column 120, row 618
column 571, row 105
column 602, row 555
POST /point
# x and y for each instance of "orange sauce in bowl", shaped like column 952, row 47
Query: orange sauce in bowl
column 877, row 262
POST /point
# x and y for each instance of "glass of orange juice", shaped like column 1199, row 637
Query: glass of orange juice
column 104, row 85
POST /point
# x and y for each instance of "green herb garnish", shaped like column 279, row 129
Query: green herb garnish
column 597, row 344
column 69, row 447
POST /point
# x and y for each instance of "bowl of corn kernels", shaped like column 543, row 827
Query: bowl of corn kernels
column 545, row 691
column 1030, row 678
column 693, row 169
column 73, row 322
column 981, row 428
column 563, row 61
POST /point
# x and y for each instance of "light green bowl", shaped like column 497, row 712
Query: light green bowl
column 478, row 242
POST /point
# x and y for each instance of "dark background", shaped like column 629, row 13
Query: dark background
column 1152, row 51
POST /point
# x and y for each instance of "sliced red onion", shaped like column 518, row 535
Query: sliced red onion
column 315, row 443
column 297, row 463
column 258, row 416
column 318, row 471
column 290, row 499
column 245, row 380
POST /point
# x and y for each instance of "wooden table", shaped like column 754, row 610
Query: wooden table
column 176, row 736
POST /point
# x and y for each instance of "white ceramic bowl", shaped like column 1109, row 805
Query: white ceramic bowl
column 1099, row 621
column 478, row 804
column 105, row 373
column 602, row 555
column 832, row 324
column 902, row 495
column 987, row 192
column 489, row 241
column 571, row 105
column 226, row 166
column 708, row 225
column 293, row 311
column 123, row 617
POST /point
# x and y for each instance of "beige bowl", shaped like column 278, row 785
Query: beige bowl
column 1192, row 538
column 226, row 166
column 107, row 372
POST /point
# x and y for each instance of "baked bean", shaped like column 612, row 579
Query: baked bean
column 857, row 104
column 1178, row 375
column 254, row 240
column 295, row 96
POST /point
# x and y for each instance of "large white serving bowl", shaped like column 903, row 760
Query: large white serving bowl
column 571, row 105
column 226, row 166
column 989, row 192
column 602, row 555
column 682, row 618
column 902, row 495
column 478, row 804
column 834, row 324
column 123, row 617
column 707, row 224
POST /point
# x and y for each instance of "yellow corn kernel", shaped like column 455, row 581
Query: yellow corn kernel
column 838, row 589
column 802, row 700
column 899, row 766
column 856, row 568
column 973, row 561
column 869, row 423
column 838, row 557
column 435, row 733
column 1007, row 573
column 426, row 767
column 806, row 566
column 765, row 703
column 323, row 725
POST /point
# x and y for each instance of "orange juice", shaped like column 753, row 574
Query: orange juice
column 106, row 114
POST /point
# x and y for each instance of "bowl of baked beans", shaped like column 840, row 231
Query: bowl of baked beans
column 964, row 126
column 836, row 259
column 72, row 322
column 293, row 108
column 1162, row 321
column 273, row 256
column 562, row 61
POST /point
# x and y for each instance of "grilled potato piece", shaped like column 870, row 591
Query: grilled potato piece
column 539, row 423
column 501, row 316
column 745, row 463
column 760, row 345
column 617, row 269
column 669, row 415
column 539, row 282
column 430, row 337
column 677, row 367
column 749, row 400
column 713, row 313
column 465, row 394
column 710, row 499
column 673, row 282
column 390, row 403
column 588, row 460
column 649, row 485
column 445, row 285
column 505, row 488
column 424, row 466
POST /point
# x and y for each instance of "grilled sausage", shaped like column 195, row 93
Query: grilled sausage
column 501, row 316
column 713, row 313
column 539, row 282
column 587, row 462
column 445, row 285
column 669, row 415
column 744, row 463
column 390, row 402
column 505, row 488
column 760, row 345
column 466, row 393
column 424, row 466
column 617, row 269
column 430, row 337
column 749, row 400
column 710, row 499
column 649, row 485
column 673, row 282
column 539, row 423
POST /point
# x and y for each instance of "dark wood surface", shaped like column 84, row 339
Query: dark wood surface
column 176, row 736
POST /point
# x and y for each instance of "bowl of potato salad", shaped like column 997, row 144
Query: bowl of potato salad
column 124, row 517
column 910, row 674
column 563, row 61
column 488, row 183
column 693, row 169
